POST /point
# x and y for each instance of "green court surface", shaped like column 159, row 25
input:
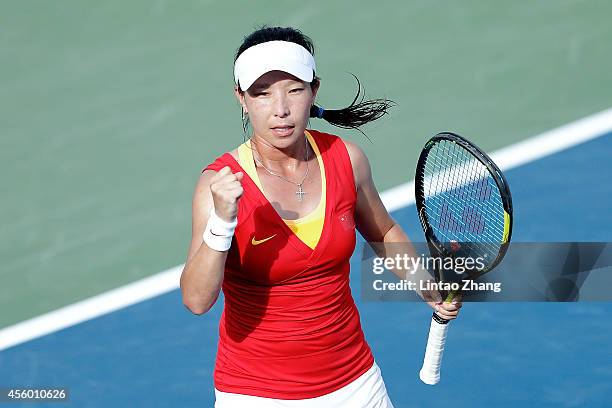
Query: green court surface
column 109, row 110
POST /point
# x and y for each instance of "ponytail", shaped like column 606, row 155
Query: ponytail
column 356, row 114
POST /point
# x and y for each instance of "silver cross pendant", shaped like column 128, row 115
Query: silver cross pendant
column 300, row 193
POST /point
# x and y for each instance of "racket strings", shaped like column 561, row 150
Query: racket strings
column 462, row 200
column 469, row 224
column 472, row 229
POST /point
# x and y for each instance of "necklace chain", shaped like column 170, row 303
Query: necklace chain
column 300, row 191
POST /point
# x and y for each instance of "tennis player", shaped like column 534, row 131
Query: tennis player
column 274, row 227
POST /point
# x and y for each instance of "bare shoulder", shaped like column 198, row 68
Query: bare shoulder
column 359, row 162
column 355, row 151
column 234, row 154
column 202, row 197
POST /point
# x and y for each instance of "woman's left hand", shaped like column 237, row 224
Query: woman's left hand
column 447, row 310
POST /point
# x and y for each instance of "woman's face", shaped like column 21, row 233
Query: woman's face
column 278, row 105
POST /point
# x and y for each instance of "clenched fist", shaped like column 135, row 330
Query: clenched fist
column 226, row 189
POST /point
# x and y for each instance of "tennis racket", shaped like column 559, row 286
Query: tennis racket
column 465, row 208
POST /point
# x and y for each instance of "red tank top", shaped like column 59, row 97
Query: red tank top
column 290, row 328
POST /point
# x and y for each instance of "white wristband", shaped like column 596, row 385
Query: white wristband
column 218, row 232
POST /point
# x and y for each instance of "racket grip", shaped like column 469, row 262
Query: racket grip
column 430, row 373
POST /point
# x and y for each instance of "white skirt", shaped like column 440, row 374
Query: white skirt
column 367, row 391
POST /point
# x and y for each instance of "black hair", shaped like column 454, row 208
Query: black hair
column 357, row 114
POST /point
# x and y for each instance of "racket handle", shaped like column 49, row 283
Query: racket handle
column 430, row 373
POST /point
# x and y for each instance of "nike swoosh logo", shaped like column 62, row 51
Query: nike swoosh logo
column 260, row 241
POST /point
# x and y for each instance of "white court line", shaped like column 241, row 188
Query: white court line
column 91, row 308
column 395, row 198
column 520, row 153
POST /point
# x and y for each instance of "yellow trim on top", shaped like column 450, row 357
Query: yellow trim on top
column 245, row 155
column 309, row 227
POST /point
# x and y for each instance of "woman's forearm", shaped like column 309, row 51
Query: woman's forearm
column 396, row 242
column 202, row 278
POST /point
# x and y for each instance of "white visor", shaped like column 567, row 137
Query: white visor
column 273, row 56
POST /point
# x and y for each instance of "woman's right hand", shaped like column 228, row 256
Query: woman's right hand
column 226, row 189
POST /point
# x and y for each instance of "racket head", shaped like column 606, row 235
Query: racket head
column 463, row 201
